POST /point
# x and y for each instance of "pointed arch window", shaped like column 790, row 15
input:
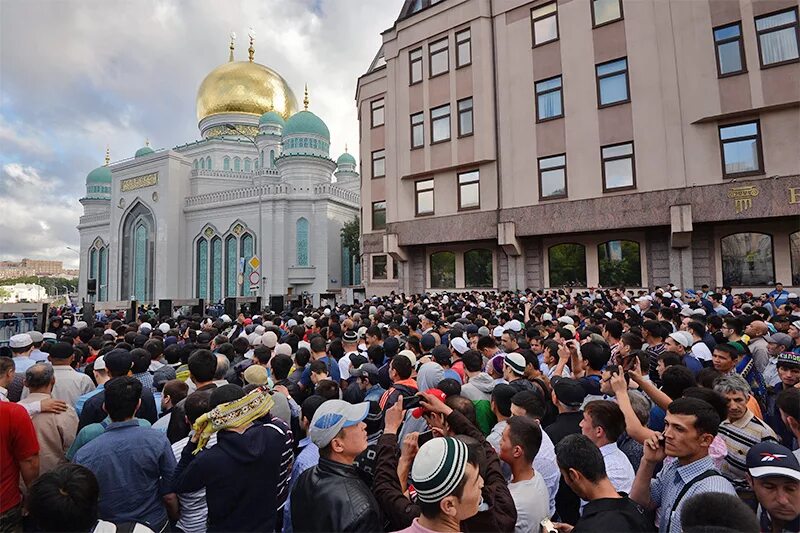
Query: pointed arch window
column 246, row 253
column 102, row 274
column 231, row 264
column 443, row 270
column 202, row 163
column 208, row 162
column 226, row 163
column 302, row 241
column 202, row 268
column 195, row 164
column 216, row 269
column 138, row 254
column 247, row 164
column 272, row 158
column 237, row 164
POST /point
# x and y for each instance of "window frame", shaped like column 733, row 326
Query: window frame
column 372, row 276
column 449, row 123
column 594, row 18
column 471, row 111
column 372, row 217
column 417, row 191
column 598, row 77
column 603, row 162
column 420, row 124
column 373, row 108
column 542, row 17
column 772, row 252
column 759, row 149
column 477, row 172
column 445, row 51
column 759, row 33
column 459, row 41
column 548, row 91
column 411, row 63
column 717, row 44
column 373, row 160
column 539, row 173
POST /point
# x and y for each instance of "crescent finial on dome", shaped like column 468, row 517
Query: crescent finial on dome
column 233, row 38
column 305, row 99
column 108, row 155
column 251, row 51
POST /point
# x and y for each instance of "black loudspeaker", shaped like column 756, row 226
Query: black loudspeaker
column 230, row 308
column 276, row 304
column 88, row 314
column 91, row 286
column 164, row 309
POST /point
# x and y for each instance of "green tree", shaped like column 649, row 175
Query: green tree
column 351, row 234
column 53, row 286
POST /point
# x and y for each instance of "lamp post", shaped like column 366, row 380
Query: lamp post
column 233, row 128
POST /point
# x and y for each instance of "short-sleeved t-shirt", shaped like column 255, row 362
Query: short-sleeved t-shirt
column 17, row 443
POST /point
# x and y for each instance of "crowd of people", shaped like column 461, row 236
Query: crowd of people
column 530, row 411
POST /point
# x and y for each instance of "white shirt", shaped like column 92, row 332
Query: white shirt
column 496, row 435
column 618, row 469
column 530, row 499
column 344, row 365
column 545, row 466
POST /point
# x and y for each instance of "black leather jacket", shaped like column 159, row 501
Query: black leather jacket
column 331, row 497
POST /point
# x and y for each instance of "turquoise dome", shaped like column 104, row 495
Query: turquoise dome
column 271, row 117
column 99, row 175
column 306, row 122
column 346, row 159
column 144, row 150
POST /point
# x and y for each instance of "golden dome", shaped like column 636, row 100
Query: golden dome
column 244, row 87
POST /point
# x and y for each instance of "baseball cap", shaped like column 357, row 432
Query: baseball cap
column 100, row 363
column 419, row 411
column 789, row 358
column 770, row 459
column 516, row 362
column 779, row 338
column 333, row 416
column 459, row 345
column 367, row 370
column 20, row 340
column 569, row 392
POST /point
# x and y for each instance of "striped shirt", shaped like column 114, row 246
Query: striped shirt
column 739, row 437
column 194, row 510
column 666, row 486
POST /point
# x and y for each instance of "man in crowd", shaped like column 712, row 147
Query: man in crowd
column 19, row 458
column 70, row 385
column 134, row 465
column 774, row 474
column 54, row 431
column 603, row 423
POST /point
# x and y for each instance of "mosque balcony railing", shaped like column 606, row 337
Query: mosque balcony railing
column 278, row 189
column 243, row 175
column 98, row 218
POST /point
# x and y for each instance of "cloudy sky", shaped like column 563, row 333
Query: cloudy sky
column 77, row 75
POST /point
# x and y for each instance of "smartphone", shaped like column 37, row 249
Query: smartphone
column 424, row 437
column 411, row 402
column 548, row 526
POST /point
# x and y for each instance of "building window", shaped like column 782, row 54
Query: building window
column 619, row 167
column 195, row 164
column 376, row 110
column 395, row 269
column 567, row 265
column 469, row 190
column 247, row 251
column 301, row 239
column 730, row 49
column 612, row 83
column 231, row 265
column 605, row 11
column 439, row 61
column 794, row 249
column 415, row 66
column 443, row 270
column 465, row 117
column 741, row 149
column 463, row 48
column 202, row 164
column 544, row 21
column 216, row 269
column 237, row 164
column 553, row 177
column 423, row 202
column 202, row 268
column 247, row 164
column 226, row 163
column 379, row 264
column 417, row 130
column 102, row 277
column 619, row 264
column 138, row 254
column 747, row 260
column 778, row 34
column 478, row 269
column 378, row 215
column 208, row 162
column 378, row 163
column 440, row 124
column 548, row 99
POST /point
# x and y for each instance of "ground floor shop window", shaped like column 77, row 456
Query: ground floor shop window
column 794, row 247
column 443, row 270
column 619, row 264
column 567, row 265
column 478, row 271
column 747, row 260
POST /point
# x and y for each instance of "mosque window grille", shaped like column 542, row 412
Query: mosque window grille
column 302, row 241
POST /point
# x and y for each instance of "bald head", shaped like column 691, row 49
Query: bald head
column 757, row 328
column 40, row 378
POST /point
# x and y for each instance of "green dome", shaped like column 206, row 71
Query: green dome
column 271, row 117
column 306, row 122
column 346, row 159
column 99, row 175
column 144, row 150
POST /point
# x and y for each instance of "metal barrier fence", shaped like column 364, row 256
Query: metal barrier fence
column 13, row 326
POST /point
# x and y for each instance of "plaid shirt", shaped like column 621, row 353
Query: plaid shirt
column 668, row 483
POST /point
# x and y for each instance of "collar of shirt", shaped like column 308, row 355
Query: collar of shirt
column 609, row 448
column 37, row 397
column 124, row 424
column 742, row 422
column 304, row 442
column 692, row 470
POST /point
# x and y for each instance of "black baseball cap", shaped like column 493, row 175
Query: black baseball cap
column 569, row 392
column 770, row 459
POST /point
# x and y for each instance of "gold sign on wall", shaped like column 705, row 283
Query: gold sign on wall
column 139, row 182
column 742, row 197
column 794, row 195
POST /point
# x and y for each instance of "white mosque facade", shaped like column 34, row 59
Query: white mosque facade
column 186, row 222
